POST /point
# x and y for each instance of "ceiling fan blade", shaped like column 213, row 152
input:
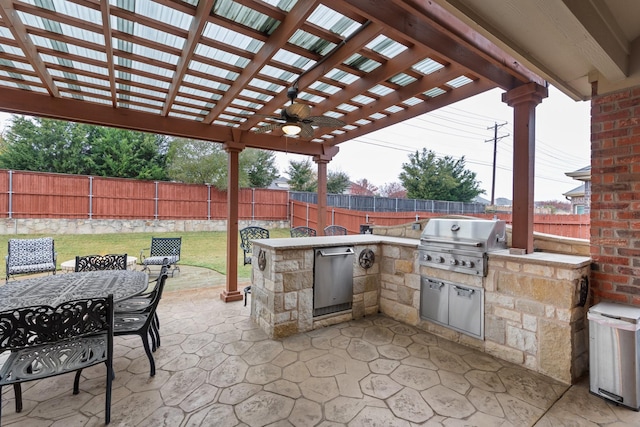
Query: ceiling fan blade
column 269, row 128
column 300, row 111
column 324, row 121
column 306, row 130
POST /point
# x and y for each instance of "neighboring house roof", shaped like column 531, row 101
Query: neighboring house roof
column 279, row 184
column 583, row 174
column 576, row 192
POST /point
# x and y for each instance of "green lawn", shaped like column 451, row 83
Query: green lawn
column 201, row 249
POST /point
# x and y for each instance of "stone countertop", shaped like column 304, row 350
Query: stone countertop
column 326, row 241
column 543, row 258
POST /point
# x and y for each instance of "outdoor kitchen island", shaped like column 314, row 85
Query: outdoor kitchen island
column 531, row 303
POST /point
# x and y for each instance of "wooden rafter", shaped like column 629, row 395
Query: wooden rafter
column 279, row 37
column 197, row 25
column 19, row 32
column 421, row 30
column 108, row 47
column 360, row 39
column 443, row 100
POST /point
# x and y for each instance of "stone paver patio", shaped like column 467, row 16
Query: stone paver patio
column 216, row 368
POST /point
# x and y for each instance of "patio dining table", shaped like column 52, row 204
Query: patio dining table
column 55, row 289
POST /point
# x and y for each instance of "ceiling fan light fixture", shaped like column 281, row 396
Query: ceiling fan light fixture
column 291, row 129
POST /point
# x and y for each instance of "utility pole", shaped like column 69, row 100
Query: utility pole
column 495, row 151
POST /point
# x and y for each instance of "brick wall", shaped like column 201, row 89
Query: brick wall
column 615, row 196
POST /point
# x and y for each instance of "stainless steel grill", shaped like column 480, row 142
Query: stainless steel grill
column 461, row 244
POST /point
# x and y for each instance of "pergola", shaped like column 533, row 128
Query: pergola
column 216, row 70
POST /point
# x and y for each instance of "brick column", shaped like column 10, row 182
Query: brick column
column 615, row 196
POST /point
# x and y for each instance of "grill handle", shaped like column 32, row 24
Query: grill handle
column 349, row 251
column 457, row 242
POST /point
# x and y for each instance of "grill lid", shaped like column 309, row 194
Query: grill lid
column 480, row 235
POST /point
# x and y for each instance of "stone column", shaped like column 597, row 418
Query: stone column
column 524, row 100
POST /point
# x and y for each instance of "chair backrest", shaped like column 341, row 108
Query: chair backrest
column 303, row 231
column 30, row 251
column 335, row 230
column 165, row 246
column 101, row 262
column 251, row 233
column 48, row 329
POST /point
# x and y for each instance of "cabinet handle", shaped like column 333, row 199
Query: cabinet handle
column 463, row 292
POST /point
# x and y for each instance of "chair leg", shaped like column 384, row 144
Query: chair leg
column 17, row 390
column 76, row 382
column 147, row 349
column 107, row 400
column 155, row 325
column 246, row 290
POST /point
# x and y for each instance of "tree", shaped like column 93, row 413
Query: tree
column 427, row 176
column 301, row 176
column 45, row 145
column 203, row 162
column 260, row 167
column 337, row 182
column 197, row 162
column 363, row 187
column 393, row 190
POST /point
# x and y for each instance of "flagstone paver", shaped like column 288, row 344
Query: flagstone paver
column 217, row 368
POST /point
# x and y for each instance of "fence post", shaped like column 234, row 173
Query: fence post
column 209, row 202
column 10, row 194
column 253, row 204
column 91, row 197
column 307, row 216
column 333, row 216
column 155, row 215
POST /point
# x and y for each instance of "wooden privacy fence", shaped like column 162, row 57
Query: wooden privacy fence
column 302, row 213
column 46, row 195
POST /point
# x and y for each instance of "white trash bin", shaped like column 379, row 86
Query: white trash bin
column 614, row 353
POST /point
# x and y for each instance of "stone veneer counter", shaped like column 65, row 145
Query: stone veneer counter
column 282, row 291
column 532, row 311
column 327, row 241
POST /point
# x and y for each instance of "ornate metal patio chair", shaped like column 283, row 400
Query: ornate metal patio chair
column 140, row 303
column 30, row 256
column 140, row 322
column 303, row 231
column 101, row 262
column 335, row 230
column 161, row 248
column 45, row 341
column 248, row 234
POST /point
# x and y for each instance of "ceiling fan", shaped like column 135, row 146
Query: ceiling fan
column 296, row 119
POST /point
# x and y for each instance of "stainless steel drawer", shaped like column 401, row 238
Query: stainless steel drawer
column 434, row 300
column 465, row 309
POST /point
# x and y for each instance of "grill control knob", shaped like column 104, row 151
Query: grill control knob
column 427, row 257
column 463, row 263
column 453, row 261
column 471, row 264
column 440, row 259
